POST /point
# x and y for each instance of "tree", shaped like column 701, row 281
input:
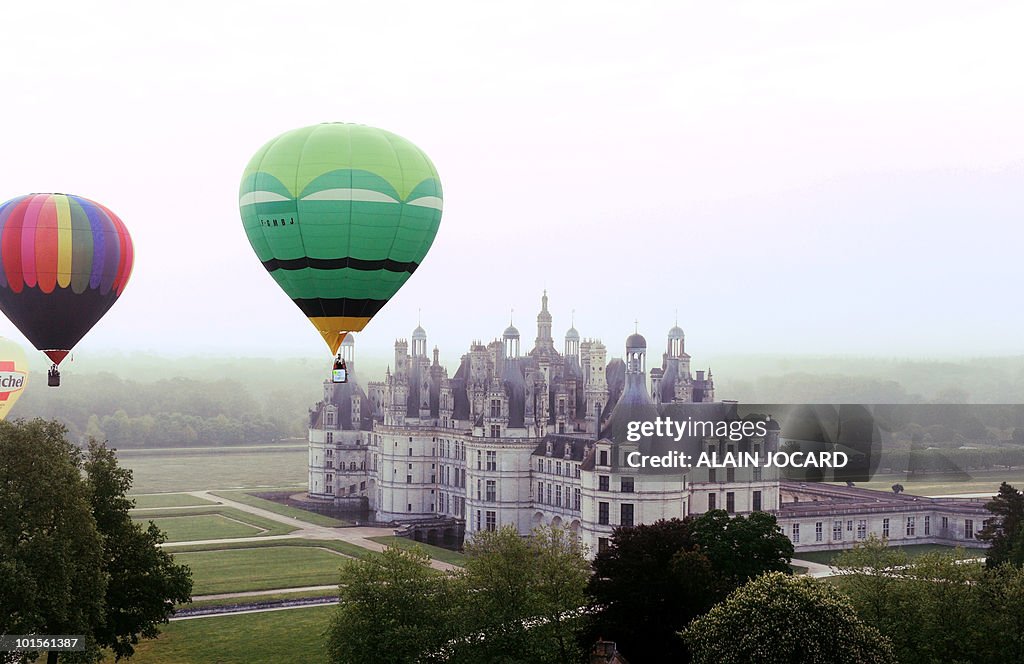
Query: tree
column 393, row 609
column 777, row 618
column 654, row 579
column 52, row 579
column 642, row 592
column 143, row 582
column 526, row 596
column 742, row 547
column 1005, row 531
column 938, row 607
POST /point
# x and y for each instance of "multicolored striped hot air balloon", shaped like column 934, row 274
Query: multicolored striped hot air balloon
column 340, row 215
column 64, row 261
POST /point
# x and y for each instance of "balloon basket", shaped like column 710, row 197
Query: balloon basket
column 53, row 377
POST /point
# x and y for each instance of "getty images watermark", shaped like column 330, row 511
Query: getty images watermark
column 675, row 430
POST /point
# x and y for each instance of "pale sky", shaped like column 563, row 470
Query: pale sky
column 792, row 177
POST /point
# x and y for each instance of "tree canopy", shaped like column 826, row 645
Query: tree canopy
column 779, row 619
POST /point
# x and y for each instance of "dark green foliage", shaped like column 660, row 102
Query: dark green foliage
column 52, row 579
column 654, row 579
column 778, row 619
column 1005, row 531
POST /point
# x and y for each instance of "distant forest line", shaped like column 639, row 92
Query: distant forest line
column 139, row 401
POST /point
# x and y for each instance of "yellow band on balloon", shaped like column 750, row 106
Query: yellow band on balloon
column 334, row 328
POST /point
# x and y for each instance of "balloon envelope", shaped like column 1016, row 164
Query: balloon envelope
column 64, row 261
column 340, row 215
column 13, row 375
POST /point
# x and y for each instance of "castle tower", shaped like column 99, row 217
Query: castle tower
column 510, row 338
column 419, row 342
column 572, row 342
column 544, row 340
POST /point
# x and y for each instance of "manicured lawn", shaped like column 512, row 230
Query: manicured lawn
column 912, row 551
column 345, row 548
column 435, row 552
column 264, row 568
column 181, row 516
column 275, row 637
column 154, row 500
column 939, row 485
column 196, row 469
column 278, row 508
column 203, row 527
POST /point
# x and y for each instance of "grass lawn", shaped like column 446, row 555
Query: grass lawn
column 264, row 568
column 204, row 527
column 178, row 520
column 195, row 469
column 345, row 548
column 275, row 637
column 154, row 500
column 938, row 485
column 278, row 508
column 435, row 552
column 912, row 551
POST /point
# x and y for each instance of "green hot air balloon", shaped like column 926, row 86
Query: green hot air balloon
column 340, row 215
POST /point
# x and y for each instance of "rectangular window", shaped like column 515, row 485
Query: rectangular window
column 495, row 431
column 558, row 468
column 911, row 526
column 558, row 495
column 603, row 458
column 540, row 492
column 602, row 513
column 577, row 471
column 837, row 530
column 862, row 529
column 968, row 528
column 730, row 502
column 885, row 527
column 492, row 491
column 478, row 485
column 712, row 498
column 945, row 523
column 712, row 475
column 626, row 514
column 540, row 465
column 818, row 531
column 492, row 460
column 408, row 479
column 627, row 485
column 602, row 483
column 548, row 494
column 927, row 526
column 479, row 525
column 757, row 501
column 492, row 521
column 576, row 498
column 602, row 544
column 479, row 460
column 495, row 407
column 849, row 526
column 795, row 528
column 730, row 474
column 756, row 473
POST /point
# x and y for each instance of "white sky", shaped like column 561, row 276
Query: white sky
column 796, row 177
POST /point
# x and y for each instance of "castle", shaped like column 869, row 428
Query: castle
column 539, row 438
